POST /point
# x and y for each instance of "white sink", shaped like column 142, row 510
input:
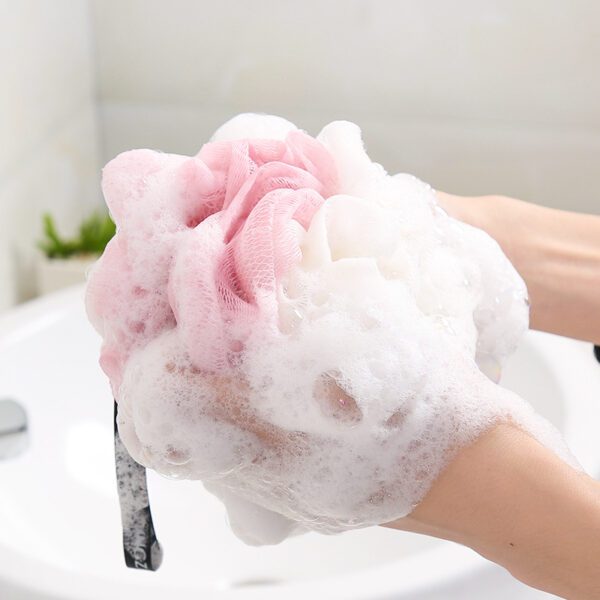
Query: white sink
column 60, row 535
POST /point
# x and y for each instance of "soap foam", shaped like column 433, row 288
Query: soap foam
column 303, row 332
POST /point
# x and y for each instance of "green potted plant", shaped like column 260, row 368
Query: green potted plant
column 65, row 261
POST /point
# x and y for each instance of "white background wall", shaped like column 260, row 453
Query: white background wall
column 48, row 138
column 474, row 96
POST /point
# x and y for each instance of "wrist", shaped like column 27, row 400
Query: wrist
column 507, row 220
column 561, row 543
column 516, row 503
column 556, row 252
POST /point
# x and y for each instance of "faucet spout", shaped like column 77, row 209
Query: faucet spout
column 13, row 429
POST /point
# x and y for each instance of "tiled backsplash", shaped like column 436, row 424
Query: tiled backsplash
column 474, row 96
column 60, row 175
column 509, row 61
column 553, row 166
column 48, row 124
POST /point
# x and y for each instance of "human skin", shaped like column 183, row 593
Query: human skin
column 517, row 504
column 506, row 496
column 555, row 251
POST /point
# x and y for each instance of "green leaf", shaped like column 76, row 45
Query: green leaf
column 94, row 234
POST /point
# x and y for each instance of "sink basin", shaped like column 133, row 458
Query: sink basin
column 60, row 535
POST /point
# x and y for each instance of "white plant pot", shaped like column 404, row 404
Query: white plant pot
column 57, row 273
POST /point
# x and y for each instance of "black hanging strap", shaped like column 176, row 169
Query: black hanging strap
column 141, row 548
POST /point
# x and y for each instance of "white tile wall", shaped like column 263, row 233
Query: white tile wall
column 46, row 75
column 59, row 175
column 553, row 166
column 476, row 96
column 527, row 62
column 48, row 129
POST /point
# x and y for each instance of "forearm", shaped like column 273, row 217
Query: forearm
column 519, row 505
column 556, row 252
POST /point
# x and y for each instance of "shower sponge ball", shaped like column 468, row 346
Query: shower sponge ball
column 311, row 337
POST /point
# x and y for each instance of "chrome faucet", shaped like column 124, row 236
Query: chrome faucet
column 13, row 429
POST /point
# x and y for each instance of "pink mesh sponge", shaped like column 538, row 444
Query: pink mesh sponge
column 303, row 332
